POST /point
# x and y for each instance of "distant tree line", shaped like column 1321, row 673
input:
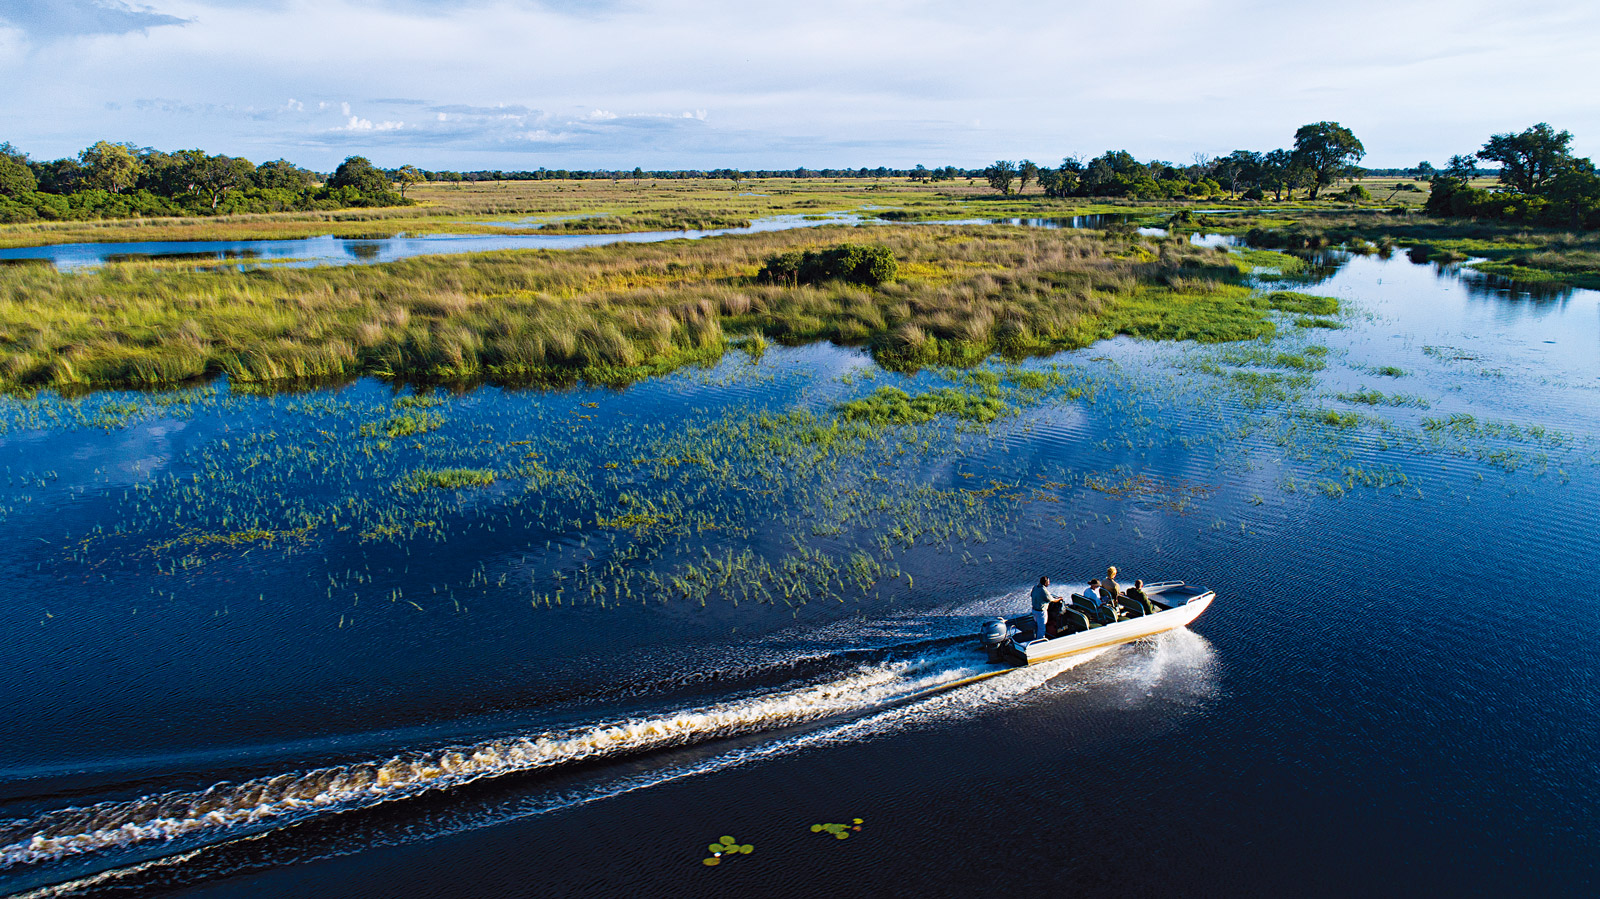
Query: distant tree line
column 1324, row 153
column 110, row 180
column 1540, row 182
column 919, row 173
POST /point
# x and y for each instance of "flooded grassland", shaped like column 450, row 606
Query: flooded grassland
column 728, row 590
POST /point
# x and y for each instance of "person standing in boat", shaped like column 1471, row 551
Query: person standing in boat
column 1041, row 602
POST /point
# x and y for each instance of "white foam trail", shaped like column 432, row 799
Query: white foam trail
column 278, row 800
column 992, row 687
column 104, row 877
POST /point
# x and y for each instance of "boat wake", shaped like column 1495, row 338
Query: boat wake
column 868, row 699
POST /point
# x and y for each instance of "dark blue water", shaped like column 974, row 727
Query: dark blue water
column 252, row 652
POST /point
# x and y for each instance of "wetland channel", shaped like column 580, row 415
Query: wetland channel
column 364, row 641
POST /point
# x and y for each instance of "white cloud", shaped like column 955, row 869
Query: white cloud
column 357, row 123
column 844, row 84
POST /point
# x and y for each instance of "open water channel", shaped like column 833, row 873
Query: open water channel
column 263, row 646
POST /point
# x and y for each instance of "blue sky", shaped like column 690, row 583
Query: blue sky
column 713, row 83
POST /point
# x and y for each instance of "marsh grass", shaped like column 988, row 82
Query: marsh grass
column 1368, row 397
column 403, row 425
column 610, row 314
column 892, row 406
column 450, row 479
column 1512, row 250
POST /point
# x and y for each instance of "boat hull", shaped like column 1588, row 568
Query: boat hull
column 1036, row 651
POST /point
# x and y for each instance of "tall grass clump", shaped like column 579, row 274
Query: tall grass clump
column 923, row 296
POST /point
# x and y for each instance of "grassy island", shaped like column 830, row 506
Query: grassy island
column 613, row 313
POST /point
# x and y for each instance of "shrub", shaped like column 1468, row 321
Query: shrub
column 870, row 265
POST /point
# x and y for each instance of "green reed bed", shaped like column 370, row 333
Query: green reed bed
column 671, row 512
column 618, row 509
column 1512, row 250
column 608, row 511
column 611, row 313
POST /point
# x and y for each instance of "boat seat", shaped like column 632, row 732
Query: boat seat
column 1095, row 614
column 1134, row 607
column 1065, row 619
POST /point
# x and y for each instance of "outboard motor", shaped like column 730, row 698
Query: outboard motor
column 993, row 634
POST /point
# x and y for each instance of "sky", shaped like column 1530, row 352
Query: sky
column 666, row 84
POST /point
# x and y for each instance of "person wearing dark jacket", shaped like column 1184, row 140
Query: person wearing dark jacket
column 1041, row 602
column 1136, row 594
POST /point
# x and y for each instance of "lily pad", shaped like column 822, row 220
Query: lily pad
column 709, row 862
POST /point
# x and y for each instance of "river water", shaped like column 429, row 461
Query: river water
column 329, row 250
column 265, row 646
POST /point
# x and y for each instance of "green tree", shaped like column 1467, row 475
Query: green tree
column 1000, row 175
column 212, row 177
column 407, row 176
column 1424, row 171
column 1461, row 168
column 1239, row 169
column 1575, row 195
column 1530, row 159
column 110, row 167
column 359, row 172
column 16, row 178
column 9, row 151
column 1026, row 171
column 281, row 174
column 1278, row 173
column 1327, row 152
column 920, row 174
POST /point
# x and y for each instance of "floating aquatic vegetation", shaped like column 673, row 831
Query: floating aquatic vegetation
column 725, row 846
column 838, row 831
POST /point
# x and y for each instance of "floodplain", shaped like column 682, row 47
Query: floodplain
column 623, row 541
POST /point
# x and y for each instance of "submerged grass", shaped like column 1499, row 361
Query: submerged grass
column 893, row 406
column 450, row 479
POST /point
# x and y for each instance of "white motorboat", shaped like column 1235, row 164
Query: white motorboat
column 1081, row 626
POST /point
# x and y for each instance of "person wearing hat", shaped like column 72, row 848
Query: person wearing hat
column 1101, row 607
